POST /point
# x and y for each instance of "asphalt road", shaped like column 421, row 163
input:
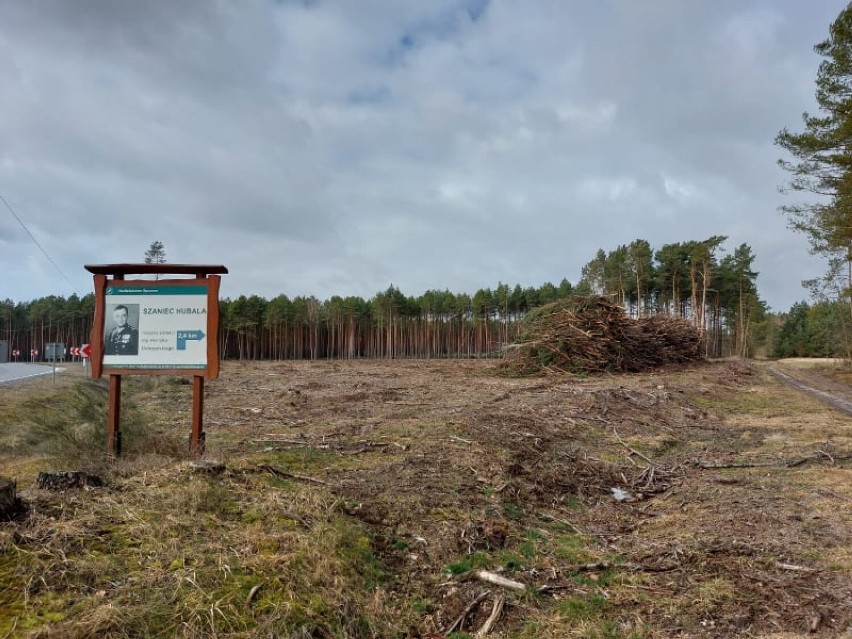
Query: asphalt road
column 11, row 372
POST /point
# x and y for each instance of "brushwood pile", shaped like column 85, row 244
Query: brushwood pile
column 592, row 335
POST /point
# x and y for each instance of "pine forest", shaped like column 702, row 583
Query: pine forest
column 692, row 280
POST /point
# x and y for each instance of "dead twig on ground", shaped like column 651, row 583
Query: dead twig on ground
column 497, row 580
column 633, row 451
column 464, row 613
column 365, row 446
column 339, row 448
column 255, row 589
column 284, row 474
column 617, row 565
column 590, row 418
column 794, row 567
column 815, row 623
column 12, row 630
column 289, row 443
column 791, row 463
column 496, row 611
column 830, row 458
column 560, row 520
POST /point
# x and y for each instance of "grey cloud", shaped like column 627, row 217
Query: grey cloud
column 336, row 147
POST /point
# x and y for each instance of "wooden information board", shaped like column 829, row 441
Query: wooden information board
column 155, row 327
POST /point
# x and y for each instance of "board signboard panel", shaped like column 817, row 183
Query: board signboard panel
column 156, row 325
column 54, row 351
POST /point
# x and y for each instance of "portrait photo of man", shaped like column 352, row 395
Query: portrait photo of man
column 122, row 338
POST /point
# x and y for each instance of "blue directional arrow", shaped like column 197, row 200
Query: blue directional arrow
column 184, row 336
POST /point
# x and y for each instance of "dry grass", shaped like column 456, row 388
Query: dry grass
column 359, row 498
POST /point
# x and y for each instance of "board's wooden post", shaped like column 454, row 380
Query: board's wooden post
column 196, row 442
column 213, row 282
column 96, row 340
column 114, row 417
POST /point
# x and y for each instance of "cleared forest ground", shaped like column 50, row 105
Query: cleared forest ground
column 375, row 499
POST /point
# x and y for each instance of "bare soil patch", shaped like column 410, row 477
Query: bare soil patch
column 366, row 498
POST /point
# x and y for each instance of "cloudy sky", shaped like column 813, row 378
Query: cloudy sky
column 332, row 147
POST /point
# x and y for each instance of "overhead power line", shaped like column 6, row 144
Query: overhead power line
column 40, row 247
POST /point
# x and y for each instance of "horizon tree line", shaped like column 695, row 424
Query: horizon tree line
column 690, row 280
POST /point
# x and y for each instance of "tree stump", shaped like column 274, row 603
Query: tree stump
column 8, row 498
column 65, row 479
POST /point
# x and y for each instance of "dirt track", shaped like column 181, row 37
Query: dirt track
column 813, row 383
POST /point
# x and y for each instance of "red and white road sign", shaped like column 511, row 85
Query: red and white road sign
column 33, row 352
column 86, row 350
column 16, row 353
column 74, row 350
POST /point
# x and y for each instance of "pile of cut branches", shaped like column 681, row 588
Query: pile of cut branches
column 592, row 335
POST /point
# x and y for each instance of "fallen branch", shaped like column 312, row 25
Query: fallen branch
column 815, row 622
column 653, row 480
column 497, row 580
column 284, row 474
column 794, row 567
column 496, row 611
column 12, row 630
column 464, row 613
column 633, row 451
column 830, row 458
column 368, row 445
column 291, row 442
column 590, row 418
column 791, row 463
column 704, row 466
column 564, row 522
column 255, row 589
column 621, row 565
column 299, row 520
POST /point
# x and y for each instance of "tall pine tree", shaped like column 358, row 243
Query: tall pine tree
column 822, row 165
column 156, row 253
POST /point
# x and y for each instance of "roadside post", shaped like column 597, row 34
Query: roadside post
column 155, row 327
column 86, row 353
column 53, row 351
